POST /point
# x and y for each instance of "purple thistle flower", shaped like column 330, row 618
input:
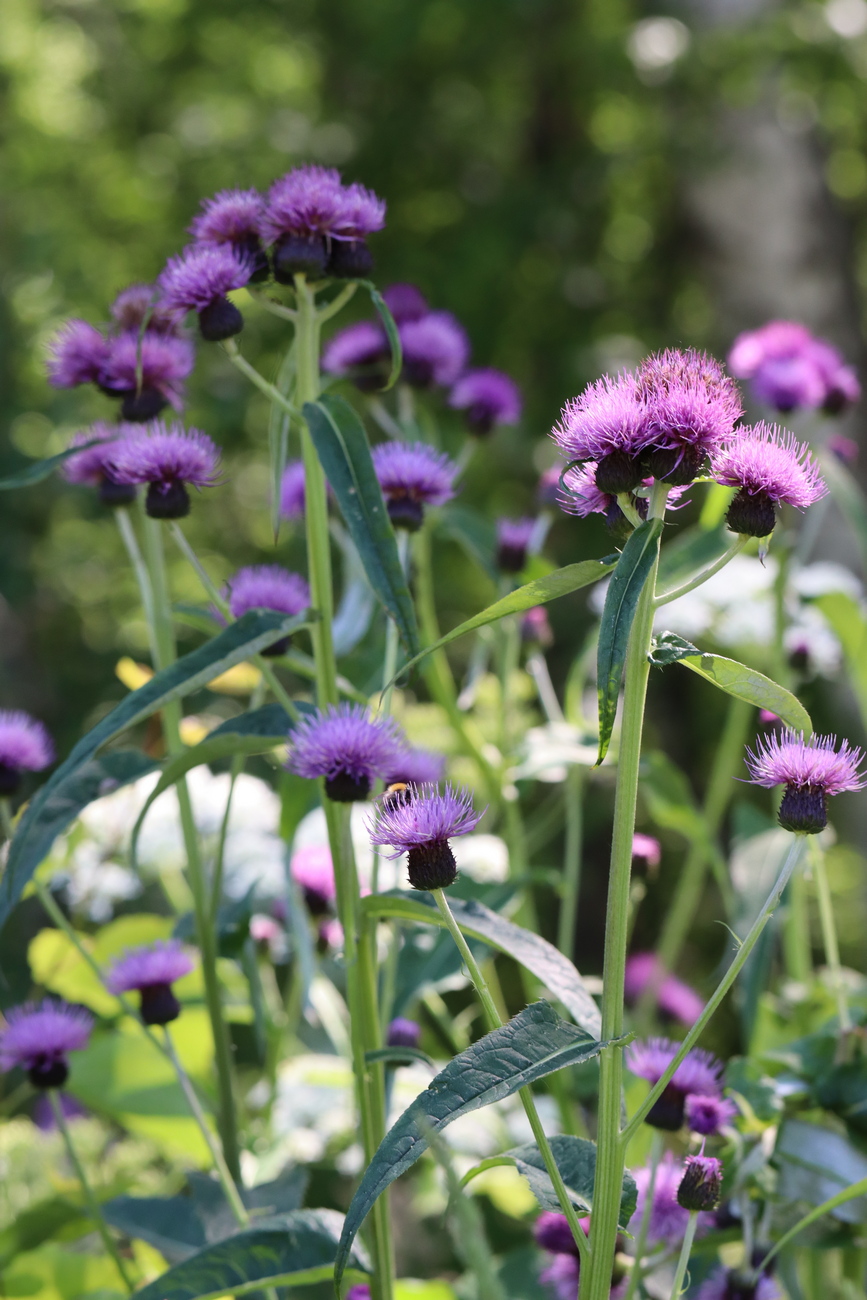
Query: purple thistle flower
column 233, row 217
column 405, row 302
column 707, row 1115
column 811, row 770
column 412, row 476
column 78, row 354
column 552, row 1232
column 167, row 458
column 580, row 496
column 417, row 767
column 269, row 586
column 420, row 823
column 845, row 449
column 489, row 398
column 789, row 368
column 25, row 745
column 311, row 868
column 435, row 350
column 698, row 1073
column 513, row 539
column 199, row 279
column 693, row 406
column 148, row 373
column 315, row 223
column 610, row 424
column 768, row 466
column 292, row 491
column 39, row 1038
column 361, row 1291
column 668, row 1219
column 647, row 848
column 347, row 747
column 842, row 387
column 729, row 1284
column 403, row 1033
column 362, row 353
column 562, row 1276
column 139, row 303
column 673, row 997
column 93, row 466
column 151, row 971
column 536, row 628
column 701, row 1185
column 306, row 201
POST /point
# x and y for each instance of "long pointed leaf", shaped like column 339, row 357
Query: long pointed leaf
column 621, row 600
column 754, row 687
column 341, row 444
column 55, row 804
column 390, row 327
column 541, row 958
column 41, row 469
column 535, row 1044
column 288, row 1250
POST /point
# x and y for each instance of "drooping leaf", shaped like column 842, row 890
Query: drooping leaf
column 545, row 961
column 668, row 647
column 539, row 592
column 534, row 1044
column 850, row 627
column 342, row 447
column 288, row 1250
column 38, row 470
column 390, row 327
column 751, row 686
column 621, row 601
column 77, row 781
column 816, row 1163
column 168, row 1222
column 576, row 1159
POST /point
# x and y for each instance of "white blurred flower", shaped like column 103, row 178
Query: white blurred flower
column 548, row 752
column 823, row 577
column 94, row 886
column 810, row 636
column 484, row 858
column 734, row 606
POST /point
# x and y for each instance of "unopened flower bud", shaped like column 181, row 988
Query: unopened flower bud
column 701, row 1185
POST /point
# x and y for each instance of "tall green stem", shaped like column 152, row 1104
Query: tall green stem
column 392, row 635
column 89, row 1194
column 829, row 931
column 492, row 1017
column 685, row 1251
column 596, row 1281
column 573, row 794
column 205, row 933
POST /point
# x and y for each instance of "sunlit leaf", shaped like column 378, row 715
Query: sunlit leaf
column 751, row 686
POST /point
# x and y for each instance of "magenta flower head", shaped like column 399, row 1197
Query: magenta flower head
column 199, row 279
column 790, row 368
column 701, row 1185
column 692, row 405
column 405, row 302
column 77, row 354
column 93, row 465
column 420, row 823
column 708, row 1115
column 513, row 540
column 668, row 1218
column 232, row 217
column 141, row 304
column 348, row 747
column 731, row 1284
column 311, row 868
column 361, row 1291
column 646, row 848
column 674, row 998
column 488, row 397
column 25, row 746
column 151, row 971
column 698, row 1073
column 403, row 1033
column 435, row 350
column 610, row 424
column 39, row 1038
column 811, row 770
column 361, row 353
column 536, row 629
column 769, row 467
column 417, row 767
column 412, row 476
column 292, row 491
column 317, row 225
column 268, row 586
column 147, row 372
column 842, row 386
column 167, row 458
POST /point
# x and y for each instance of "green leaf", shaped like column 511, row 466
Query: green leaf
column 390, row 327
column 473, row 532
column 751, row 686
column 621, row 601
column 291, row 1250
column 38, row 1223
column 541, row 958
column 78, row 780
column 668, row 647
column 539, row 592
column 534, row 1044
column 576, row 1160
column 38, row 470
column 168, row 1222
column 341, row 444
column 397, row 1056
column 848, row 623
column 816, row 1163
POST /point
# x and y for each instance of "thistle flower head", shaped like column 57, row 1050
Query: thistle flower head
column 312, row 200
column 673, row 997
column 417, row 767
column 347, row 746
column 707, row 1115
column 790, row 368
column 609, row 416
column 230, row 217
column 361, row 1291
column 536, row 627
column 489, row 397
column 698, row 1073
column 435, row 349
column 701, row 1185
column 359, row 345
column 420, row 823
column 201, row 274
column 562, row 1276
column 811, row 770
column 163, row 962
column 311, row 868
column 148, row 372
column 92, row 465
column 292, row 491
column 167, row 457
column 403, row 1033
column 768, row 466
column 39, row 1037
column 513, row 540
column 25, row 746
column 691, row 401
column 77, row 354
column 579, row 494
column 142, row 302
column 267, row 586
column 405, row 302
column 412, row 476
column 668, row 1219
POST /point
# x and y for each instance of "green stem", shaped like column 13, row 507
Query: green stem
column 848, row 1194
column 596, row 1281
column 6, row 819
column 573, row 794
column 337, row 304
column 641, row 1235
column 685, row 1251
column 829, row 931
column 205, row 934
column 230, row 347
column 89, row 1194
column 392, row 635
column 702, row 577
column 494, row 1022
column 130, row 541
column 722, row 988
column 797, row 951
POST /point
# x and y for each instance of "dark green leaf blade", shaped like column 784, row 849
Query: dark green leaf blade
column 290, row 1250
column 621, row 599
column 545, row 961
column 57, row 802
column 668, row 647
column 576, row 1160
column 534, row 1044
column 39, row 470
column 751, row 686
column 390, row 327
column 168, row 1222
column 342, row 447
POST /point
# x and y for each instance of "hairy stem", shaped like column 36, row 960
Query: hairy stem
column 829, row 931
column 573, row 795
column 685, row 1251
